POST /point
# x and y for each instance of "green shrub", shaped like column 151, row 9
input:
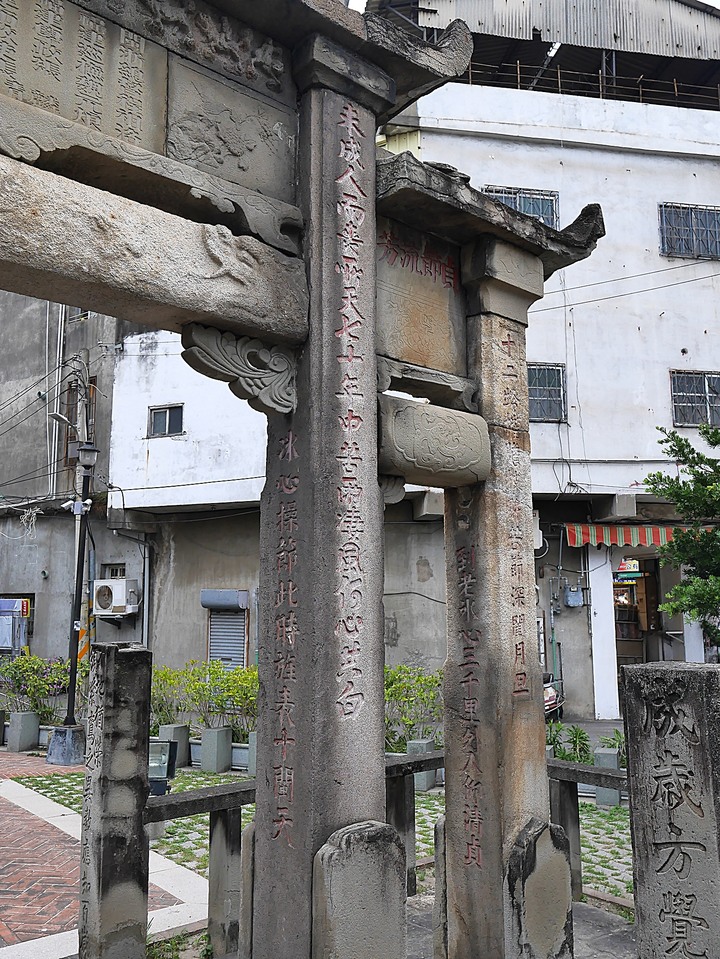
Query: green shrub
column 29, row 682
column 616, row 741
column 207, row 692
column 168, row 696
column 570, row 743
column 242, row 689
column 413, row 706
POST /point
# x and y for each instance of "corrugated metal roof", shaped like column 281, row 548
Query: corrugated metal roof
column 680, row 28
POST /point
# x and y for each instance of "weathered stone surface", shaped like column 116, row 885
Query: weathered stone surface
column 510, row 279
column 216, row 750
column 321, row 728
column 496, row 778
column 419, row 194
column 440, row 904
column 166, row 272
column 263, row 375
column 179, row 733
column 64, row 60
column 444, row 389
column 118, row 166
column 202, row 33
column 247, row 881
column 359, row 894
column 224, row 881
column 421, row 304
column 538, row 899
column 216, row 126
column 66, row 746
column 432, row 446
column 672, row 726
column 114, row 852
column 23, row 732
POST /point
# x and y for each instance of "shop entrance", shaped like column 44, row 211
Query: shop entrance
column 638, row 625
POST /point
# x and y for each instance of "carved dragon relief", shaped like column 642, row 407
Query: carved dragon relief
column 263, row 375
column 27, row 133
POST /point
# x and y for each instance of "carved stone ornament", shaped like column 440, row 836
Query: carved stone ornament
column 393, row 488
column 444, row 389
column 263, row 375
column 432, row 446
column 33, row 135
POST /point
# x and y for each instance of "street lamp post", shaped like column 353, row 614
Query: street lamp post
column 87, row 457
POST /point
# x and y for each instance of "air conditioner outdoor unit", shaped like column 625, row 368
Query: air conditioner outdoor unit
column 115, row 597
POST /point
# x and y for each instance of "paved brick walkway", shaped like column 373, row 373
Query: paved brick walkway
column 40, row 865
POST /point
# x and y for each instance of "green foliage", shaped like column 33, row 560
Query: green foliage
column 221, row 697
column 168, row 696
column 695, row 493
column 242, row 688
column 616, row 741
column 413, row 706
column 31, row 683
column 570, row 743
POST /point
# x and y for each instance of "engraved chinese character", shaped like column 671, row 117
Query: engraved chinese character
column 675, row 783
column 350, row 700
column 517, row 624
column 350, row 457
column 287, row 484
column 288, row 448
column 521, row 683
column 284, row 741
column 352, row 521
column 285, row 665
column 286, row 554
column 678, row 856
column 473, row 821
column 287, row 517
column 668, row 715
column 679, row 911
column 351, row 356
column 286, row 629
column 351, row 422
column 349, row 660
column 350, row 121
column 284, row 785
column 283, row 825
column 473, row 853
column 286, row 593
column 284, row 706
column 350, row 493
column 349, row 386
column 517, row 595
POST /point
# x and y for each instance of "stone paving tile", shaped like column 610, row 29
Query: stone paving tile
column 25, row 764
column 40, row 877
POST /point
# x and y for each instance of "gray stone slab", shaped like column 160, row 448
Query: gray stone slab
column 424, row 780
column 23, row 732
column 609, row 759
column 67, row 61
column 219, row 127
column 421, row 304
column 359, row 894
column 216, row 750
column 66, row 746
column 179, row 733
column 57, row 237
column 672, row 719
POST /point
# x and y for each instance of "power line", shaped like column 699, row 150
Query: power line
column 632, row 276
column 47, row 469
column 616, row 296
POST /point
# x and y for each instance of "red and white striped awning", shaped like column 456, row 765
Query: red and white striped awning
column 580, row 534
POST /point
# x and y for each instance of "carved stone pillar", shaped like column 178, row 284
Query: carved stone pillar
column 321, row 728
column 497, row 807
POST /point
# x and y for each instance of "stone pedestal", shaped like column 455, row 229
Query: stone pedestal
column 497, row 805
column 66, row 746
column 113, row 847
column 216, row 750
column 179, row 733
column 23, row 732
column 608, row 759
column 425, row 780
column 321, row 721
column 359, row 895
column 672, row 724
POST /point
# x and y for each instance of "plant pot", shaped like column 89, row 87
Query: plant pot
column 195, row 750
column 216, row 750
column 179, row 733
column 240, row 755
column 252, row 754
column 424, row 780
column 23, row 732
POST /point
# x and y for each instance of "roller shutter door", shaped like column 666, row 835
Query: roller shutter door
column 228, row 636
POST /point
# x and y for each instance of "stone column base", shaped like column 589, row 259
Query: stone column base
column 359, row 894
column 66, row 746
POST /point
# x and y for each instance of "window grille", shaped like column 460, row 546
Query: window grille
column 695, row 398
column 546, row 386
column 542, row 204
column 165, row 421
column 689, row 231
column 113, row 571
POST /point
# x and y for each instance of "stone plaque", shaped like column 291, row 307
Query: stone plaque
column 420, row 303
column 217, row 126
column 80, row 66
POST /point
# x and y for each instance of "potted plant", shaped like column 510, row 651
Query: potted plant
column 413, row 714
column 207, row 695
column 33, row 690
column 242, row 688
column 168, row 695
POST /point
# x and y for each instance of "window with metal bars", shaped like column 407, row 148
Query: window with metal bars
column 689, row 231
column 546, row 386
column 695, row 398
column 542, row 204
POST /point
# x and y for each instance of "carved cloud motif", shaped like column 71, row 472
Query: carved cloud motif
column 434, row 440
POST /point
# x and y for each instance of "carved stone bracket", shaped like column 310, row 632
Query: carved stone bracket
column 263, row 375
column 393, row 488
column 444, row 389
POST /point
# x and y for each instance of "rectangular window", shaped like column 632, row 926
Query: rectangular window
column 542, row 204
column 165, row 421
column 695, row 398
column 546, row 386
column 112, row 571
column 689, row 231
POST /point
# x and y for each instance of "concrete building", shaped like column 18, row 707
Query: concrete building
column 615, row 103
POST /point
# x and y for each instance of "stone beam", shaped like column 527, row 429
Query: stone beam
column 67, row 242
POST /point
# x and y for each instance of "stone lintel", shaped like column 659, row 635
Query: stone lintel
column 422, row 194
column 319, row 62
column 70, row 243
column 431, row 445
column 444, row 389
column 109, row 163
column 500, row 278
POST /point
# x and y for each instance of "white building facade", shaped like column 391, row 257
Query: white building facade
column 628, row 340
